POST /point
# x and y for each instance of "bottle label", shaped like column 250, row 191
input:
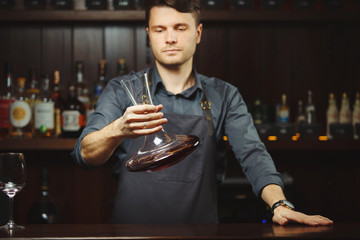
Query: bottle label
column 44, row 116
column 20, row 114
column 98, row 90
column 57, row 121
column 345, row 116
column 72, row 120
column 85, row 100
column 4, row 112
column 284, row 116
column 356, row 117
column 332, row 116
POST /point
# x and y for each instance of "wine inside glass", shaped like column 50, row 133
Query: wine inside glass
column 12, row 180
column 160, row 149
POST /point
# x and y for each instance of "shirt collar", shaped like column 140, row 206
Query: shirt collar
column 157, row 83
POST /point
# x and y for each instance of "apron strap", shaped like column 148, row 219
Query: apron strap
column 205, row 106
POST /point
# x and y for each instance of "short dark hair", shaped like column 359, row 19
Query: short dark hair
column 184, row 6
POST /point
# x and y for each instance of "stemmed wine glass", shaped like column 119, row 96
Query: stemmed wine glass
column 12, row 180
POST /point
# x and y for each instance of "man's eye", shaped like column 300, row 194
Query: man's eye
column 181, row 28
column 158, row 30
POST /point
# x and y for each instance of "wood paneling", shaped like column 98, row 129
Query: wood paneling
column 5, row 50
column 143, row 53
column 88, row 46
column 260, row 60
column 119, row 43
column 57, row 52
column 244, row 59
column 308, row 65
column 26, row 48
column 342, row 60
column 214, row 64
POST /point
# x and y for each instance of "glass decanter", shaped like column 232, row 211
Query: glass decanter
column 161, row 149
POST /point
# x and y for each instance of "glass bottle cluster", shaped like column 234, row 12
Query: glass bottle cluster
column 31, row 108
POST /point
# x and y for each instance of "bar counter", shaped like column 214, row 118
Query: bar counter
column 197, row 231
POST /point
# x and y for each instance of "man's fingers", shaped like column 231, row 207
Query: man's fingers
column 287, row 215
column 312, row 220
column 145, row 108
column 147, row 124
column 133, row 118
column 147, row 131
column 319, row 220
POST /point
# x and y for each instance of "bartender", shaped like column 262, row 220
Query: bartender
column 185, row 192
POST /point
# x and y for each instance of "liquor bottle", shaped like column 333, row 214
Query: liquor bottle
column 332, row 115
column 58, row 101
column 100, row 83
column 345, row 112
column 257, row 112
column 21, row 120
column 121, row 67
column 81, row 89
column 33, row 90
column 300, row 117
column 45, row 210
column 73, row 115
column 356, row 114
column 284, row 111
column 310, row 109
column 44, row 111
column 6, row 98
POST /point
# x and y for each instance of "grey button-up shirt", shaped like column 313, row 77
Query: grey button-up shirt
column 229, row 115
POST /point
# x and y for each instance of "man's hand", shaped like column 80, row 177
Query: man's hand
column 140, row 120
column 98, row 146
column 283, row 215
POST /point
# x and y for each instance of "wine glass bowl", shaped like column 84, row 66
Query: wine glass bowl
column 161, row 149
column 12, row 180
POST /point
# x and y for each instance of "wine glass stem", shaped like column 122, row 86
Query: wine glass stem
column 11, row 211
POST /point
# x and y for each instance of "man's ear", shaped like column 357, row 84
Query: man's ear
column 199, row 32
column 147, row 32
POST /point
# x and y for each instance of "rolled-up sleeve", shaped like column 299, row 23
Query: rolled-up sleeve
column 109, row 107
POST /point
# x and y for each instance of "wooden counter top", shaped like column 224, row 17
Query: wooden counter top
column 197, row 231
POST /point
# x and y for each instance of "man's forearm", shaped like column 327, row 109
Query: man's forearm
column 272, row 193
column 97, row 147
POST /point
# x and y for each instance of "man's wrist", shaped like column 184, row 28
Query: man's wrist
column 283, row 203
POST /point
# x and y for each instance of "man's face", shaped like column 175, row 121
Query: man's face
column 173, row 36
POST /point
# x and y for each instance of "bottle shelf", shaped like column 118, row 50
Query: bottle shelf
column 67, row 144
column 218, row 15
column 72, row 15
column 312, row 145
column 41, row 144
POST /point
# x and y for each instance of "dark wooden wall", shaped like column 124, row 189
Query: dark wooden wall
column 267, row 59
column 47, row 47
column 263, row 59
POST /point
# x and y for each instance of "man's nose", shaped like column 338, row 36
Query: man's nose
column 170, row 37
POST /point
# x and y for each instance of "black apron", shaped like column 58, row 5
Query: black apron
column 182, row 193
